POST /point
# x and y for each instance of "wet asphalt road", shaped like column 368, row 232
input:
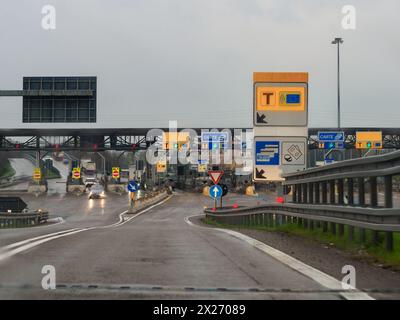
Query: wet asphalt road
column 155, row 255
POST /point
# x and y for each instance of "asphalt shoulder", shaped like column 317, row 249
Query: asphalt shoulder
column 370, row 275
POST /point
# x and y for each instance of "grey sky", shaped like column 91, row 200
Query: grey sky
column 192, row 60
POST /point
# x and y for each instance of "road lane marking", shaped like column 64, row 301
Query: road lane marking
column 20, row 243
column 30, row 245
column 143, row 211
column 318, row 276
column 27, row 244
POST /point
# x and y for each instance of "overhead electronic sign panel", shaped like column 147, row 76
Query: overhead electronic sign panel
column 369, row 140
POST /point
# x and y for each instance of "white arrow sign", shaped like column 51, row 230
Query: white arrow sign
column 215, row 190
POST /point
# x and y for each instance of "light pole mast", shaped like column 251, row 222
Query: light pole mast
column 338, row 41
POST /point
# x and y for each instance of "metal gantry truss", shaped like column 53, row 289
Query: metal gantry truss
column 76, row 142
column 135, row 139
column 390, row 136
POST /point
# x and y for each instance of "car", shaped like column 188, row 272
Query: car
column 96, row 192
column 90, row 181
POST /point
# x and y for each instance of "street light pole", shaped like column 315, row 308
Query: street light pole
column 338, row 41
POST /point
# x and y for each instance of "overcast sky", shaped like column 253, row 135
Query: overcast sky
column 192, row 60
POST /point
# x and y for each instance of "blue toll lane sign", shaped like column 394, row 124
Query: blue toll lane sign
column 331, row 136
column 267, row 153
column 133, row 186
column 215, row 191
column 215, row 140
column 331, row 140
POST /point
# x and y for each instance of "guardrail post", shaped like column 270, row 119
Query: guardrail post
column 332, row 192
column 300, row 195
column 305, row 193
column 341, row 229
column 294, row 193
column 266, row 215
column 333, row 228
column 324, row 192
column 316, row 190
column 374, row 192
column 341, row 191
column 361, row 191
column 389, row 241
column 351, row 233
column 350, row 191
column 324, row 226
column 362, row 235
column 375, row 237
column 311, row 192
column 271, row 220
column 388, row 192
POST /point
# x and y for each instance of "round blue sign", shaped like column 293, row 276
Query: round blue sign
column 215, row 191
column 133, row 186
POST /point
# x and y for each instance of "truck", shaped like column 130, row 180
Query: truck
column 58, row 156
column 88, row 167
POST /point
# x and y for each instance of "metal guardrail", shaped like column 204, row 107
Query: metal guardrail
column 322, row 216
column 311, row 185
column 20, row 220
column 318, row 195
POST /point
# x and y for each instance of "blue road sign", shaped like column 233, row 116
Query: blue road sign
column 267, row 153
column 331, row 136
column 133, row 186
column 215, row 140
column 329, row 160
column 214, row 136
column 215, row 191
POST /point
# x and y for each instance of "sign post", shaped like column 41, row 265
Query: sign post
column 216, row 191
column 132, row 188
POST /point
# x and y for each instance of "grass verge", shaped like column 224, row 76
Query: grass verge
column 367, row 250
column 6, row 171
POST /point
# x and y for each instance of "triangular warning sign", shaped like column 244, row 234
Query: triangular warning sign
column 215, row 176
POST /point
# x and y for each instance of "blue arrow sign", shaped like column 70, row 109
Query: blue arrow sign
column 133, row 186
column 331, row 136
column 215, row 191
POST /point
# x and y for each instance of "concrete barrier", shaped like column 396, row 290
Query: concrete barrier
column 76, row 188
column 148, row 200
column 37, row 188
column 117, row 188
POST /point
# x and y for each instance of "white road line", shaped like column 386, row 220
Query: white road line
column 318, row 276
column 30, row 245
column 27, row 244
column 145, row 210
column 20, row 243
